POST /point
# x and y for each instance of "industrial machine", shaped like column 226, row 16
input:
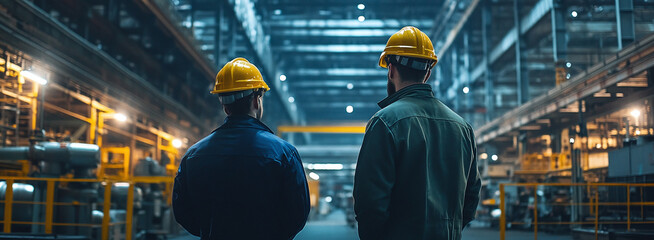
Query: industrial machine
column 634, row 163
column 53, row 160
column 620, row 207
column 154, row 217
column 61, row 189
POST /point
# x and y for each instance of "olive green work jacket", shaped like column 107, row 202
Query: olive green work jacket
column 416, row 176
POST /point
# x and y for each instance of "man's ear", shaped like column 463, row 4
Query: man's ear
column 391, row 71
column 427, row 76
column 226, row 111
column 255, row 101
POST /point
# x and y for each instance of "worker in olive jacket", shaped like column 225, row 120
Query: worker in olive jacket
column 416, row 176
column 241, row 181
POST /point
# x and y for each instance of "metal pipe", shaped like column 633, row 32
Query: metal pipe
column 14, row 153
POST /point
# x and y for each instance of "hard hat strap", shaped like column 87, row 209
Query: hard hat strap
column 414, row 63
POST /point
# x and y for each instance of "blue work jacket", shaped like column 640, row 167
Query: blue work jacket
column 241, row 182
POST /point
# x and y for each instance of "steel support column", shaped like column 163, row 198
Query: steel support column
column 467, row 97
column 488, row 76
column 624, row 13
column 218, row 38
column 522, row 78
column 455, row 81
column 438, row 79
column 559, row 33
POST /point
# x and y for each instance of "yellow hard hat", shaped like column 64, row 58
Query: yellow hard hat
column 409, row 42
column 239, row 75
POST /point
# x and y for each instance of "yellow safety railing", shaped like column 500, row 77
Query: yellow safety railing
column 593, row 205
column 50, row 203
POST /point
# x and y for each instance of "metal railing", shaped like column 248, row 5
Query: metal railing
column 591, row 192
column 106, row 202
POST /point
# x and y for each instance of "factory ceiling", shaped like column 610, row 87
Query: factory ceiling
column 324, row 53
column 321, row 56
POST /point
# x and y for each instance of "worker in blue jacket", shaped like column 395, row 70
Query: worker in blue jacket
column 241, row 181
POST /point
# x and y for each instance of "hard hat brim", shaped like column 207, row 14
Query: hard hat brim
column 265, row 87
column 384, row 64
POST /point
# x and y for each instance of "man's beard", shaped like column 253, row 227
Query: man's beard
column 390, row 88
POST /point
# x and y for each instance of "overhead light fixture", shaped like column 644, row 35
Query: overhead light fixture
column 328, row 199
column 635, row 113
column 177, row 143
column 120, row 117
column 282, row 77
column 466, row 90
column 494, row 157
column 314, row 176
column 496, row 213
column 325, row 166
column 277, row 12
column 361, row 18
column 121, row 184
column 291, row 99
column 33, row 77
column 484, row 156
column 361, row 6
column 568, row 64
column 598, row 146
column 574, row 14
column 572, row 140
column 349, row 109
column 350, row 86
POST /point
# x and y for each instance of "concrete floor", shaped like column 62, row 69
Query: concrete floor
column 333, row 226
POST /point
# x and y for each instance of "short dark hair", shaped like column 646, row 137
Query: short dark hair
column 407, row 73
column 242, row 106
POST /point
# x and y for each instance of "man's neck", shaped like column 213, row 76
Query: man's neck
column 243, row 115
column 403, row 84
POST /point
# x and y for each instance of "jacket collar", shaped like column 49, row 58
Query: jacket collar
column 416, row 90
column 244, row 121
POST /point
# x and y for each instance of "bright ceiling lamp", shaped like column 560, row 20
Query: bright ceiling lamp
column 177, row 143
column 120, row 117
column 325, row 166
column 314, row 176
column 33, row 77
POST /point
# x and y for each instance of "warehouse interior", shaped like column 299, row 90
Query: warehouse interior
column 100, row 99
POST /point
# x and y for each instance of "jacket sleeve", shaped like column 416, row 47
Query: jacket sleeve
column 473, row 186
column 374, row 179
column 183, row 202
column 296, row 196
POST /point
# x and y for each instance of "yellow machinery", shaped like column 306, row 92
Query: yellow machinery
column 561, row 73
column 60, row 178
column 66, row 202
column 172, row 154
column 542, row 163
column 126, row 226
column 18, row 168
column 598, row 203
column 114, row 163
column 314, row 192
column 321, row 129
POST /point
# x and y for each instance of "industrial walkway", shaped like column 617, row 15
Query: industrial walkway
column 334, row 227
